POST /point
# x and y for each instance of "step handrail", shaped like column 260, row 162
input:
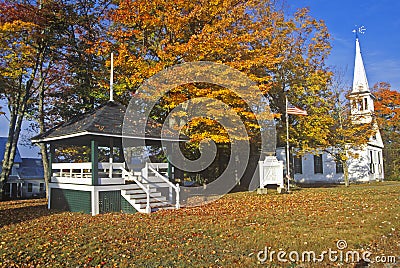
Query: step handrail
column 165, row 179
column 144, row 188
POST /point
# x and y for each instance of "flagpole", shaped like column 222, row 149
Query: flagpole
column 287, row 145
column 112, row 78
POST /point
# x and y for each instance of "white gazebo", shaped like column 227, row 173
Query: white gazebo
column 98, row 187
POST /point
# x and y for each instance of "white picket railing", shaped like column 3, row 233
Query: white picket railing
column 81, row 173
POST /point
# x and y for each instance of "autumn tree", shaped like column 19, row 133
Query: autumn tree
column 387, row 110
column 47, row 72
column 72, row 85
column 302, row 76
column 276, row 50
column 22, row 59
column 75, row 82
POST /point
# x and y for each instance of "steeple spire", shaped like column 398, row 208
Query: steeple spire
column 361, row 98
column 360, row 82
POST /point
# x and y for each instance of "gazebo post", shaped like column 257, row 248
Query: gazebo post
column 52, row 155
column 170, row 166
column 121, row 154
column 169, row 170
column 94, row 151
column 111, row 158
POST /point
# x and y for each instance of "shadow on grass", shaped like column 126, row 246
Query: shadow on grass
column 271, row 188
column 319, row 185
column 16, row 215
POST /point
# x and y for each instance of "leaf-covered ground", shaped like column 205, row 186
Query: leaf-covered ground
column 227, row 233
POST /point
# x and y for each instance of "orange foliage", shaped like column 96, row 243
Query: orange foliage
column 387, row 107
column 276, row 51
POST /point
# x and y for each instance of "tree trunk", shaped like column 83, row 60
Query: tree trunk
column 346, row 173
column 43, row 147
column 6, row 168
column 17, row 113
column 11, row 148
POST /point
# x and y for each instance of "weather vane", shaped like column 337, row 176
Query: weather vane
column 360, row 30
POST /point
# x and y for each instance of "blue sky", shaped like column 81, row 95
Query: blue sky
column 380, row 45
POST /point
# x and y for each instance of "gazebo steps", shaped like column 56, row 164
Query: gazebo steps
column 153, row 206
column 138, row 191
column 142, row 195
column 138, row 199
column 154, row 179
column 157, row 184
column 152, row 185
column 162, row 207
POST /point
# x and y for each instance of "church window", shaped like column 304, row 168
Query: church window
column 359, row 105
column 365, row 104
column 354, row 105
column 318, row 168
column 371, row 163
column 379, row 163
column 339, row 166
column 298, row 165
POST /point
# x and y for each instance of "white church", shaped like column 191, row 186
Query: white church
column 368, row 166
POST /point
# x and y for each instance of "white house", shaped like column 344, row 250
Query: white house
column 369, row 165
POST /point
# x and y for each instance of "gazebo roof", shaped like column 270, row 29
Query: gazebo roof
column 102, row 123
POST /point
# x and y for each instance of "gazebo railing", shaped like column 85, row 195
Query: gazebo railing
column 81, row 173
column 170, row 185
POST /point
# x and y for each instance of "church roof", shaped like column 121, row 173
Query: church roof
column 360, row 82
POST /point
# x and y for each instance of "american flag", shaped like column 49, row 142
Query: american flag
column 294, row 110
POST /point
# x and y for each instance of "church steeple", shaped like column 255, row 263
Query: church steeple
column 362, row 111
column 360, row 82
column 361, row 98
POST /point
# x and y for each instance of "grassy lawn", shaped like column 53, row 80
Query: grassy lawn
column 227, row 233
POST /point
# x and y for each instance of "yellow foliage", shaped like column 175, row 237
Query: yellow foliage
column 254, row 37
